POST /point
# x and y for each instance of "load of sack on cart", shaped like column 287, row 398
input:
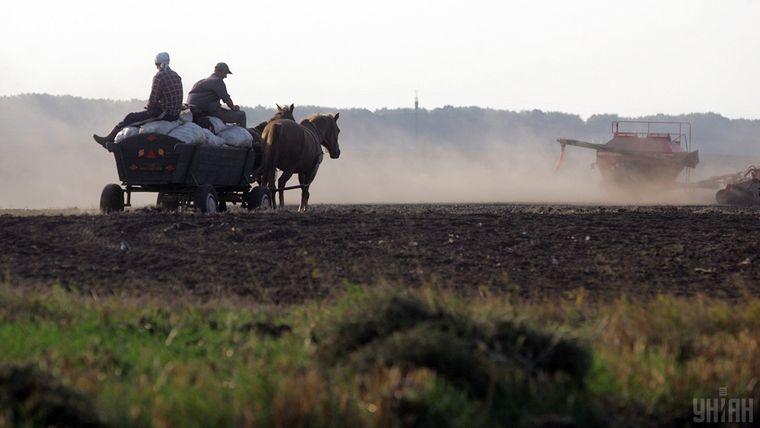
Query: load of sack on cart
column 184, row 129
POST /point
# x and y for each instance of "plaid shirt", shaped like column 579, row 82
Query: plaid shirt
column 166, row 92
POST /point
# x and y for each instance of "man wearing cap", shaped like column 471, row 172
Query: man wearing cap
column 164, row 103
column 206, row 94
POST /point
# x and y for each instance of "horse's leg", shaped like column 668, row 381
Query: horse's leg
column 281, row 182
column 271, row 175
column 304, row 181
column 269, row 181
column 271, row 137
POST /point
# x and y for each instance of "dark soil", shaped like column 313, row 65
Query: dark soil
column 285, row 256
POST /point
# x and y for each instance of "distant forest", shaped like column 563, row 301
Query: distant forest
column 459, row 128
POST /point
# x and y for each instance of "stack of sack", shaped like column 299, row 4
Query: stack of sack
column 188, row 132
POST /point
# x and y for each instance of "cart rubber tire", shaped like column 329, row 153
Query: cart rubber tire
column 206, row 199
column 259, row 197
column 167, row 202
column 722, row 197
column 733, row 196
column 112, row 199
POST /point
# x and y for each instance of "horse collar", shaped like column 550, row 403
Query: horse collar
column 313, row 130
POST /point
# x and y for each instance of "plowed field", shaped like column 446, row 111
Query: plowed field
column 285, row 256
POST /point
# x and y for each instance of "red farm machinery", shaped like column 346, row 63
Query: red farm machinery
column 642, row 153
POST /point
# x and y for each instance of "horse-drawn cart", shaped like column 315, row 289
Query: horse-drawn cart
column 191, row 175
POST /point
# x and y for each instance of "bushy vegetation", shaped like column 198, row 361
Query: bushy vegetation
column 371, row 357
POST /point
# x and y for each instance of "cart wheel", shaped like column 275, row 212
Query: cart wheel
column 167, row 202
column 733, row 196
column 111, row 199
column 722, row 197
column 206, row 199
column 258, row 197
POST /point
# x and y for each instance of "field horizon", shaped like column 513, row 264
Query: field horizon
column 460, row 154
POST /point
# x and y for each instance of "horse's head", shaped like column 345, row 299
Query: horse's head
column 327, row 126
column 285, row 112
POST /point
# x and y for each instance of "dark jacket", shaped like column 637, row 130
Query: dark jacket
column 207, row 93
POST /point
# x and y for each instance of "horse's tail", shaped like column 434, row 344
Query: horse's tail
column 271, row 136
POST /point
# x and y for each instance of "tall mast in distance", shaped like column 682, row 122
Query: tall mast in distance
column 416, row 109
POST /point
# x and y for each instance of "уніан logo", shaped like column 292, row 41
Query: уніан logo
column 723, row 409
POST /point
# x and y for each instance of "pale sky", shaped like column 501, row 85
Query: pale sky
column 586, row 56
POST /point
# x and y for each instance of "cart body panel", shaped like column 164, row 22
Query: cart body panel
column 184, row 174
column 161, row 161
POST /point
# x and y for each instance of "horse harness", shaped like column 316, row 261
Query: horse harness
column 313, row 131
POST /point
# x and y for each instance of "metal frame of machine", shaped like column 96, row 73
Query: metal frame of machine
column 642, row 153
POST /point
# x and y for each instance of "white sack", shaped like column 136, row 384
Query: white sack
column 212, row 139
column 186, row 116
column 236, row 136
column 159, row 127
column 126, row 132
column 218, row 124
column 189, row 133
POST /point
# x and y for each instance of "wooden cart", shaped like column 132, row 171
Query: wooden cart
column 206, row 178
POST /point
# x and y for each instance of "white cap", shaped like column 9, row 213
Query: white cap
column 162, row 58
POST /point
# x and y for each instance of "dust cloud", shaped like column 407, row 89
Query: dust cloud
column 513, row 174
column 369, row 175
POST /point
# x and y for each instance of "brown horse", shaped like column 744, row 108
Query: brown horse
column 296, row 148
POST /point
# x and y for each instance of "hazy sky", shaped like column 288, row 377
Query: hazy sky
column 591, row 56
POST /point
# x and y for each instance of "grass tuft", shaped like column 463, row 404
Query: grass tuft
column 501, row 364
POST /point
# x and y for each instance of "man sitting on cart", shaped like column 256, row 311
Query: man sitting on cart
column 164, row 103
column 205, row 96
